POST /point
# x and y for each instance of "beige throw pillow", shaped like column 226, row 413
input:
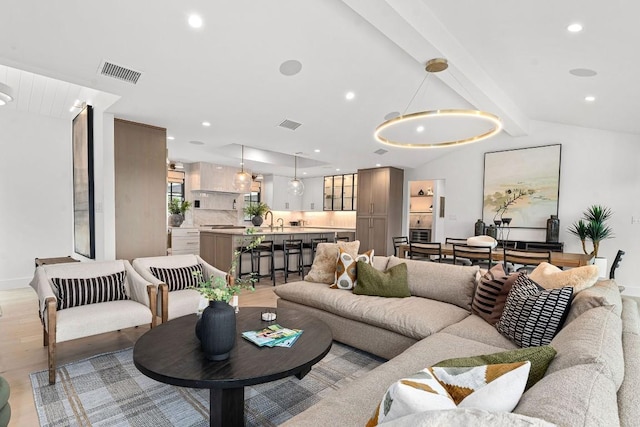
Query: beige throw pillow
column 323, row 269
column 551, row 277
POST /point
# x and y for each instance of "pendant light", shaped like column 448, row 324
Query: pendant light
column 242, row 180
column 295, row 187
column 384, row 132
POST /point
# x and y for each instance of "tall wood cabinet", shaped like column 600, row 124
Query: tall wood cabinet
column 379, row 210
column 140, row 153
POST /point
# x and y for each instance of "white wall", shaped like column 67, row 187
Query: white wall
column 36, row 217
column 597, row 167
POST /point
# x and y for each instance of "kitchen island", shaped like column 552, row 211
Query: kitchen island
column 218, row 245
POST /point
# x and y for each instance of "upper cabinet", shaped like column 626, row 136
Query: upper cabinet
column 275, row 194
column 340, row 192
column 210, row 177
column 313, row 192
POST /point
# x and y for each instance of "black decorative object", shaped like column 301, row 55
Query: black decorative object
column 479, row 228
column 421, row 193
column 553, row 229
column 216, row 330
column 257, row 220
column 491, row 231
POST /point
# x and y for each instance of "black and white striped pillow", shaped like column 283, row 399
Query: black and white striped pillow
column 91, row 290
column 179, row 278
column 533, row 315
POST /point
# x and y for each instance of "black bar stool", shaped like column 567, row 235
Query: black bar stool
column 313, row 245
column 342, row 239
column 243, row 250
column 292, row 247
column 264, row 250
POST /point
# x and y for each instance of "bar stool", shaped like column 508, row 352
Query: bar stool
column 342, row 239
column 264, row 250
column 292, row 247
column 313, row 245
column 243, row 250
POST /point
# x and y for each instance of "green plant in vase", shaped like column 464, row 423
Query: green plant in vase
column 177, row 209
column 256, row 211
column 593, row 227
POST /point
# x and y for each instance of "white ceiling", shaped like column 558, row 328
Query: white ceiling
column 509, row 58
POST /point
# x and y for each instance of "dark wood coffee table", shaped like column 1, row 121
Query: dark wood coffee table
column 170, row 353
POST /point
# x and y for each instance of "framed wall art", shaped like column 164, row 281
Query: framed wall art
column 83, row 197
column 521, row 186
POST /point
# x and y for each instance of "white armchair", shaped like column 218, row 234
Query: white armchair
column 81, row 299
column 175, row 303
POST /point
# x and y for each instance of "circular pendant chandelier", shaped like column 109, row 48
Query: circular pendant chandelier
column 484, row 124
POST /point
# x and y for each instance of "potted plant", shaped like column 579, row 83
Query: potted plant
column 216, row 328
column 256, row 211
column 593, row 226
column 177, row 208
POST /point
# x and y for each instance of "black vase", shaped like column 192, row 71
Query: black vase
column 553, row 229
column 479, row 228
column 216, row 330
column 257, row 220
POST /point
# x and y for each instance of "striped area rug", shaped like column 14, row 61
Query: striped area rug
column 108, row 390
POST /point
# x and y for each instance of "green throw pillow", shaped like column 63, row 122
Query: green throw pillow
column 540, row 358
column 390, row 283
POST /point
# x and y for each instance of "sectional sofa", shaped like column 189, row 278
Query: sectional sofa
column 594, row 379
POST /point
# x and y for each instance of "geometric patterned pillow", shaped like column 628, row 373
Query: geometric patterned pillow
column 495, row 388
column 178, row 278
column 346, row 277
column 91, row 290
column 491, row 294
column 533, row 315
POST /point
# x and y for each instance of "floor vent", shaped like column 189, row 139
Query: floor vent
column 381, row 151
column 115, row 71
column 290, row 124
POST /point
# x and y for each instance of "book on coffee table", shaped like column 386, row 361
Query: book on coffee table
column 272, row 336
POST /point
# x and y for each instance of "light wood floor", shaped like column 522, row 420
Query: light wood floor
column 22, row 352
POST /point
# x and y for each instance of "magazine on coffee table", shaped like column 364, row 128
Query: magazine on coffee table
column 273, row 336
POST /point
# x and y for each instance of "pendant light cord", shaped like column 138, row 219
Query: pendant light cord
column 416, row 93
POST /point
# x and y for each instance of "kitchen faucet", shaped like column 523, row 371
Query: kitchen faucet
column 281, row 222
column 271, row 223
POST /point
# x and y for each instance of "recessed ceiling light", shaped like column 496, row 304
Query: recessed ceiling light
column 420, row 129
column 316, row 150
column 582, row 72
column 290, row 67
column 304, row 173
column 171, row 138
column 195, row 21
column 574, row 28
column 391, row 115
column 338, row 170
column 378, row 165
column 206, row 124
column 350, row 96
column 589, row 98
column 196, row 142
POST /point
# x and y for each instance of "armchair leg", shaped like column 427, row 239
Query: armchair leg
column 164, row 298
column 51, row 338
column 152, row 291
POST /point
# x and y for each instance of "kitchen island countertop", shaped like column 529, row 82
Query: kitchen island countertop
column 277, row 230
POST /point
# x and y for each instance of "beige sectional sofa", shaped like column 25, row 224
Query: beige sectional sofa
column 592, row 381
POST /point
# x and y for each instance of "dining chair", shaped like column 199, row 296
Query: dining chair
column 425, row 251
column 397, row 242
column 454, row 241
column 476, row 255
column 524, row 261
column 616, row 264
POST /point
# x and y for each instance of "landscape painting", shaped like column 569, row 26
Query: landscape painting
column 83, row 213
column 522, row 185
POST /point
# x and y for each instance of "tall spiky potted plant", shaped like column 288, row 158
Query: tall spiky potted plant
column 593, row 226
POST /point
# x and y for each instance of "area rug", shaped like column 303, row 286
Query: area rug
column 108, row 390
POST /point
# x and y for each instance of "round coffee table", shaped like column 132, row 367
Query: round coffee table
column 170, row 353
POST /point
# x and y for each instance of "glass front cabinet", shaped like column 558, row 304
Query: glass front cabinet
column 340, row 192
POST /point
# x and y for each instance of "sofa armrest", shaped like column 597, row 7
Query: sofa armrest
column 44, row 289
column 208, row 270
column 138, row 286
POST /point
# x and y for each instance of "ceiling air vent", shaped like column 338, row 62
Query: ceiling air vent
column 381, row 151
column 115, row 71
column 290, row 124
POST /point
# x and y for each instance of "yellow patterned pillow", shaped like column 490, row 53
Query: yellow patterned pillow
column 495, row 388
column 346, row 277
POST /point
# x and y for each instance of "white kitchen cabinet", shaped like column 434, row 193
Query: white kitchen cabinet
column 210, row 177
column 312, row 198
column 184, row 241
column 276, row 194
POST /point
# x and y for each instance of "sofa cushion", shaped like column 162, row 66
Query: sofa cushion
column 532, row 315
column 594, row 337
column 549, row 276
column 577, row 396
column 389, row 283
column 540, row 357
column 405, row 316
column 346, row 271
column 323, row 269
column 454, row 284
column 475, row 328
column 467, row 417
column 179, row 278
column 491, row 293
column 603, row 293
column 73, row 292
column 495, row 387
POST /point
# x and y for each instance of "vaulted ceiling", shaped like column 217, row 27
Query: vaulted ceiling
column 510, row 58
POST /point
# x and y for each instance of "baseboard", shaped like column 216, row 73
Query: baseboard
column 22, row 282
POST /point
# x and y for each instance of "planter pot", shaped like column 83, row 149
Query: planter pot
column 257, row 221
column 176, row 220
column 216, row 330
column 601, row 263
